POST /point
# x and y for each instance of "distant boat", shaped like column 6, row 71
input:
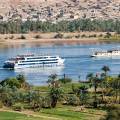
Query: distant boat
column 108, row 53
column 27, row 61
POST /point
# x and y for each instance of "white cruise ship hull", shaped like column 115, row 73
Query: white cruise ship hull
column 31, row 61
column 104, row 56
column 38, row 65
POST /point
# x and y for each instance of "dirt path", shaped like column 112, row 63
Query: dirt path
column 30, row 113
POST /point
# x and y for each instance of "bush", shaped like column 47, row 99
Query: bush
column 12, row 37
column 101, row 35
column 59, row 35
column 46, row 102
column 22, row 37
column 17, row 107
column 108, row 35
column 37, row 37
column 77, row 36
column 72, row 100
column 1, row 104
column 113, row 114
column 93, row 35
column 27, row 106
column 83, row 36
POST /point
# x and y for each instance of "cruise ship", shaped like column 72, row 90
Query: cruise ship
column 108, row 53
column 27, row 61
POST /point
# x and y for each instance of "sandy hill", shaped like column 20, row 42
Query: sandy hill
column 56, row 10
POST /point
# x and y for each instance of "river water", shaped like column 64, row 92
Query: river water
column 78, row 62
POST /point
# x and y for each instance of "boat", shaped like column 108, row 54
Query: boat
column 27, row 61
column 108, row 53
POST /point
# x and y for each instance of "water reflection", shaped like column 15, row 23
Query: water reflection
column 39, row 76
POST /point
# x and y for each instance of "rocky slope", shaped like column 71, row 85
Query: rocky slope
column 57, row 10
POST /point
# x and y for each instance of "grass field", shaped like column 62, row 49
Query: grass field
column 59, row 113
column 15, row 116
column 68, row 113
column 21, row 116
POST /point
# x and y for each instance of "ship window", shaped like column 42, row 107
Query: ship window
column 38, row 63
column 52, row 57
column 39, row 60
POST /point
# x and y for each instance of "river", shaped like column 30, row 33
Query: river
column 78, row 62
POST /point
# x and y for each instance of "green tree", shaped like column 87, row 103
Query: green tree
column 105, row 69
column 56, row 91
column 94, row 80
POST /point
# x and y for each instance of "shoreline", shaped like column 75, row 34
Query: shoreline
column 49, row 38
column 51, row 41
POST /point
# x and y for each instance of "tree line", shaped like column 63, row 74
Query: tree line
column 62, row 26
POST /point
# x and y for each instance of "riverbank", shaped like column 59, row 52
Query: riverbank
column 57, row 38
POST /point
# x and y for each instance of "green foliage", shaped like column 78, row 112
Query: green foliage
column 108, row 35
column 17, row 107
column 105, row 69
column 72, row 100
column 12, row 82
column 1, row 104
column 63, row 26
column 51, row 79
column 113, row 114
column 55, row 94
column 46, row 102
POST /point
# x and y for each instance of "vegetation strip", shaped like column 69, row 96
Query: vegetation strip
column 29, row 114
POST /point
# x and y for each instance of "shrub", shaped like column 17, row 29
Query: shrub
column 37, row 37
column 17, row 107
column 113, row 114
column 108, row 35
column 83, row 36
column 77, row 36
column 93, row 35
column 12, row 37
column 59, row 35
column 72, row 100
column 101, row 35
column 1, row 104
column 22, row 37
column 27, row 106
column 46, row 102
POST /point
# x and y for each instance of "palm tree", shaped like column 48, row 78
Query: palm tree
column 119, row 87
column 52, row 78
column 105, row 69
column 21, row 80
column 55, row 90
column 55, row 94
column 94, row 82
column 115, row 84
column 103, row 78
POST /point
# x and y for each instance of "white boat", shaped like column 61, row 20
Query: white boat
column 108, row 53
column 27, row 61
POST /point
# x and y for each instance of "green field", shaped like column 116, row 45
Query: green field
column 59, row 113
column 68, row 113
column 19, row 116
